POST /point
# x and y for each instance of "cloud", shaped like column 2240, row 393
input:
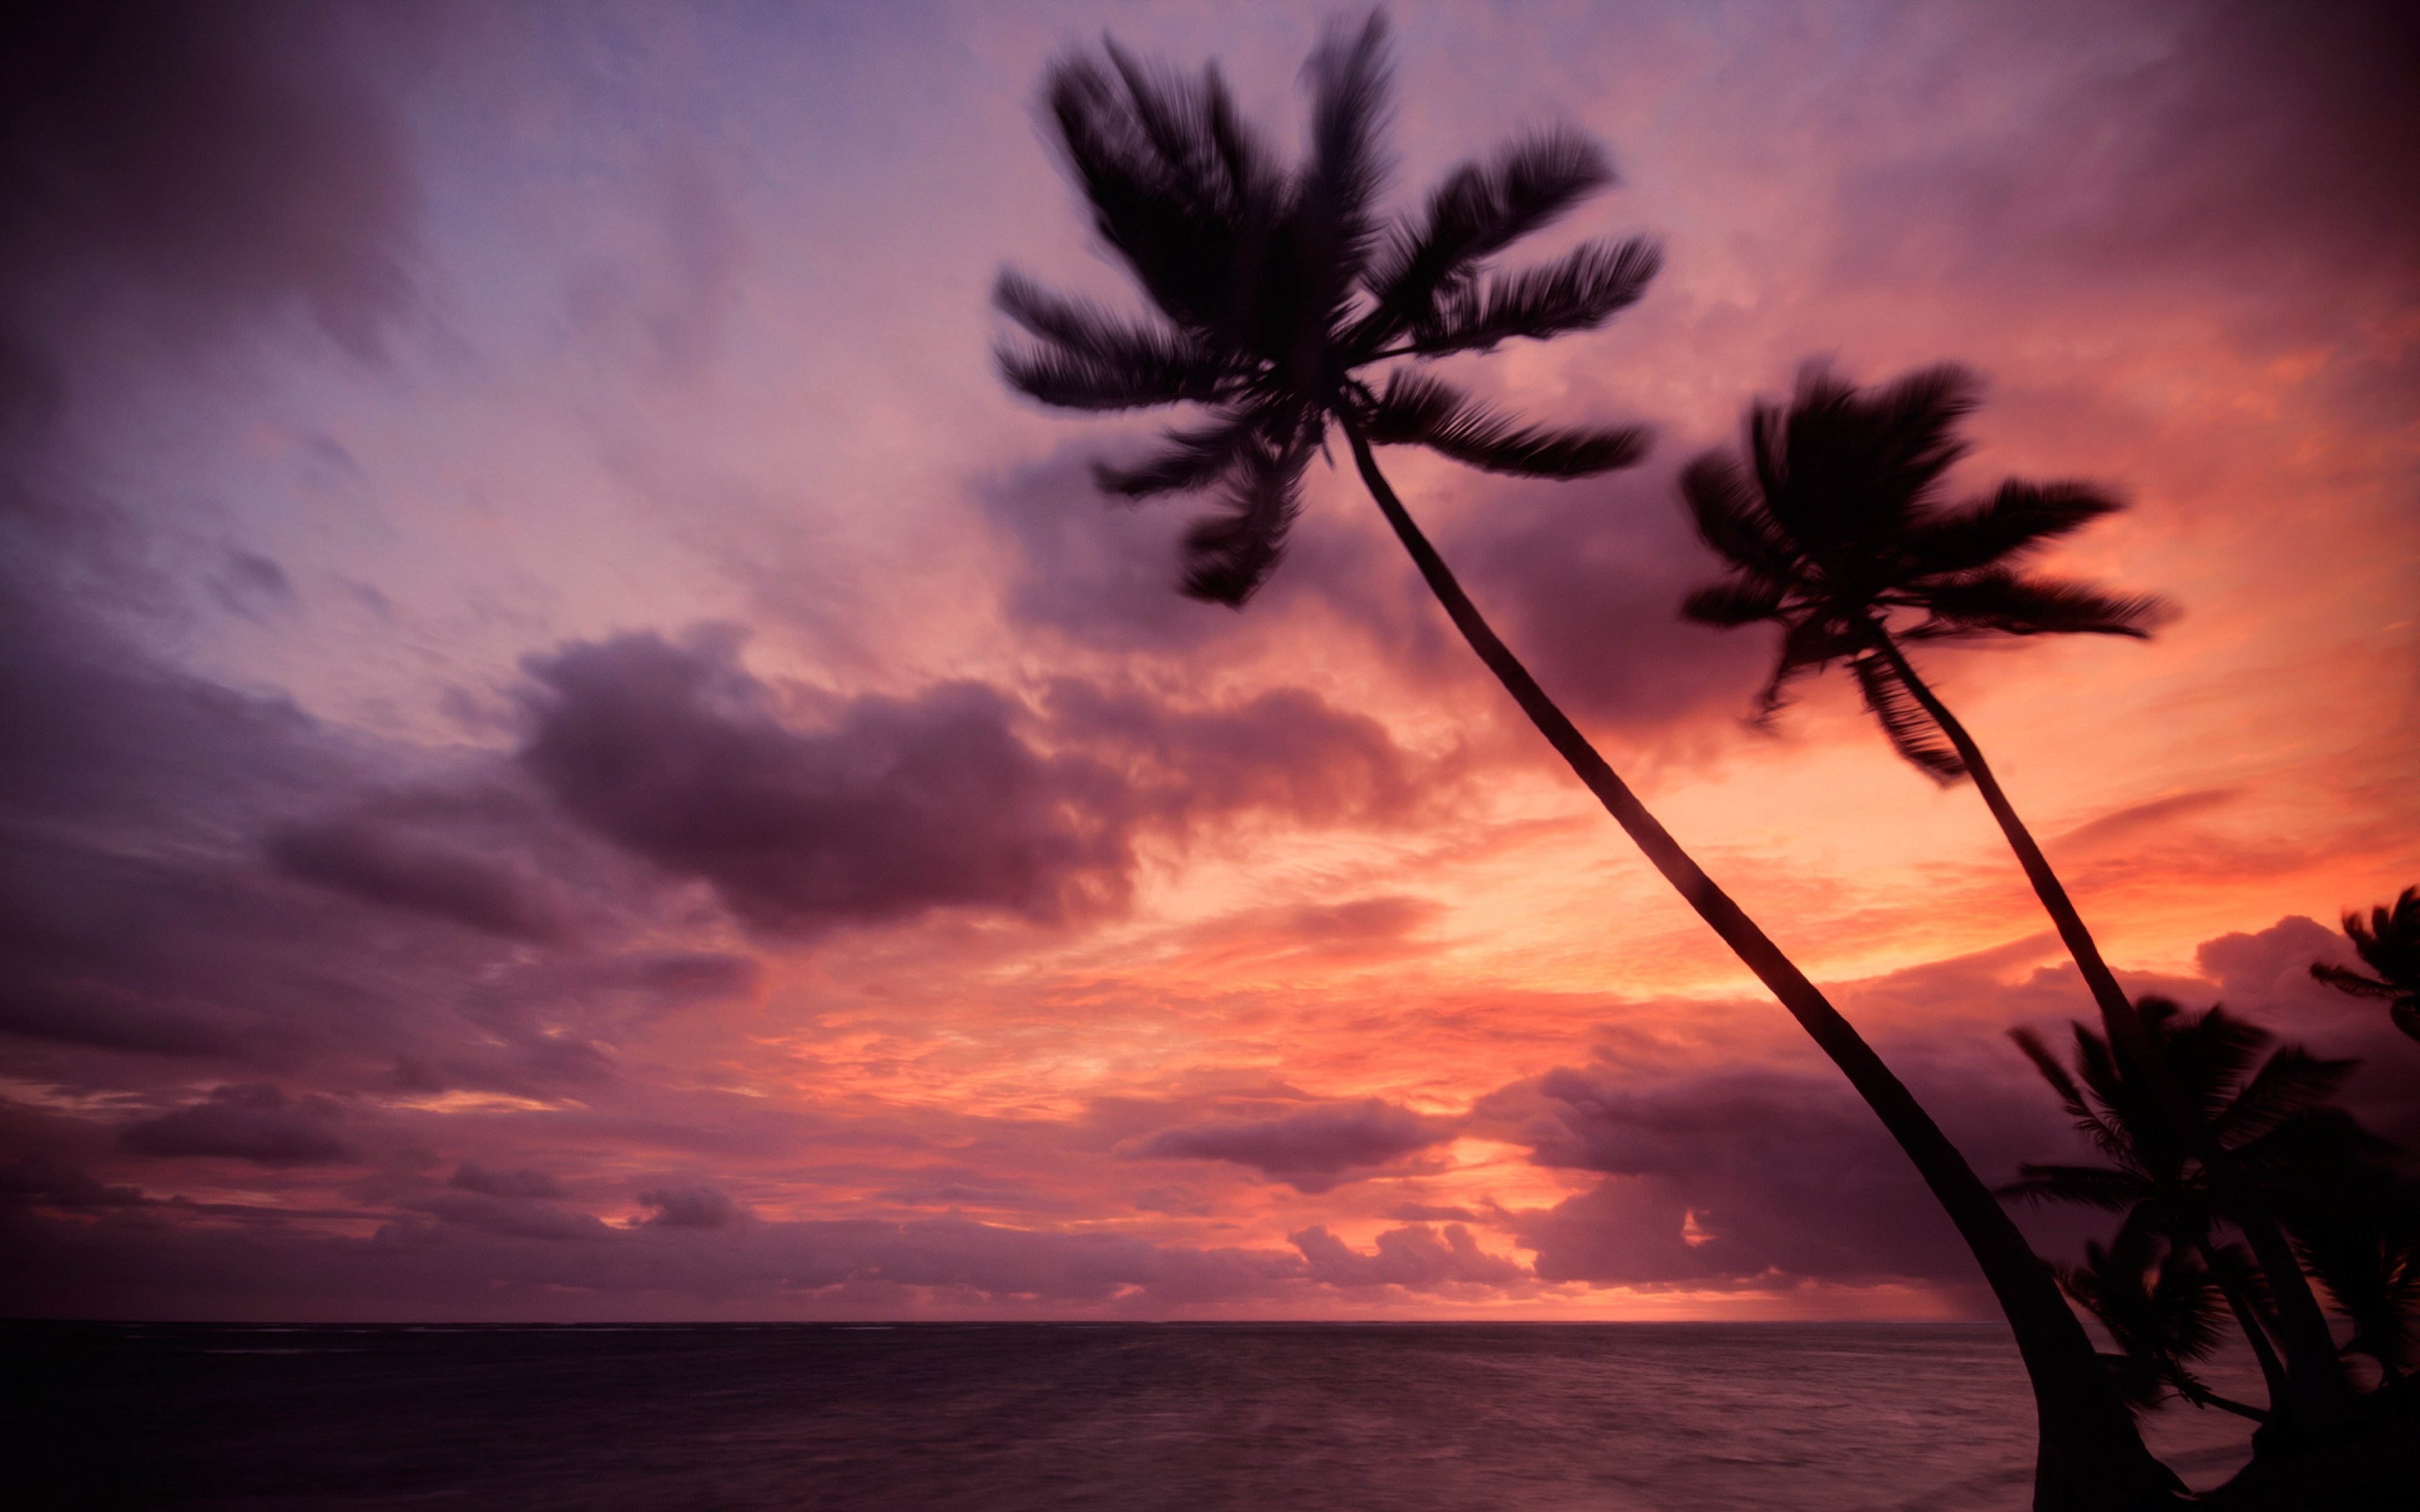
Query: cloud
column 692, row 1206
column 2135, row 820
column 209, row 164
column 1309, row 1148
column 897, row 807
column 256, row 1122
column 401, row 871
column 1415, row 1258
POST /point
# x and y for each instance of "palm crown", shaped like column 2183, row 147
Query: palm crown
column 2271, row 1114
column 1836, row 529
column 2389, row 945
column 1273, row 287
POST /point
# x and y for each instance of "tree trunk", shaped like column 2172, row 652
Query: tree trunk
column 2090, row 1454
column 2249, row 1319
column 2320, row 1397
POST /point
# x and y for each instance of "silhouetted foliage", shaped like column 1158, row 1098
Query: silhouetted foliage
column 2274, row 1118
column 1271, row 287
column 1272, row 291
column 2162, row 1308
column 2389, row 945
column 1836, row 530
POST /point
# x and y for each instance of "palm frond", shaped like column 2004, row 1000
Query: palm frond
column 1187, row 460
column 1579, row 291
column 1089, row 359
column 2345, row 979
column 1809, row 644
column 1178, row 186
column 1347, row 77
column 1418, row 409
column 2017, row 519
column 2088, row 1186
column 2289, row 1083
column 1742, row 599
column 1481, row 209
column 1230, row 554
column 1730, row 516
column 1917, row 416
column 1911, row 731
column 2001, row 601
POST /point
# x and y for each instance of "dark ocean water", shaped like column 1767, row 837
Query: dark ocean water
column 1674, row 1417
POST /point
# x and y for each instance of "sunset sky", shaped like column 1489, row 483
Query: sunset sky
column 567, row 750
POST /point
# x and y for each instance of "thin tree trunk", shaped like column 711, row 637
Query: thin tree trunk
column 2318, row 1394
column 2272, row 1371
column 2090, row 1454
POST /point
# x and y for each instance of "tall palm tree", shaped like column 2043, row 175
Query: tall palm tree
column 1836, row 529
column 2271, row 1116
column 1275, row 293
column 2389, row 945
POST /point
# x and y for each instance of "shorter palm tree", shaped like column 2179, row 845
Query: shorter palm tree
column 1836, row 529
column 2161, row 1306
column 2389, row 945
column 2274, row 1119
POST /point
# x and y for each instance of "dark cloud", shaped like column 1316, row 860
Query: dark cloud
column 691, row 1207
column 257, row 1122
column 895, row 807
column 1309, row 1148
column 205, row 164
column 381, row 865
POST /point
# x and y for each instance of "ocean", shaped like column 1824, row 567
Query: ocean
column 1005, row 1417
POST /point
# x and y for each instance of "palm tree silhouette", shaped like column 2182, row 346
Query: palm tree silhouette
column 2389, row 945
column 1835, row 528
column 1274, row 292
column 2271, row 1117
column 2161, row 1306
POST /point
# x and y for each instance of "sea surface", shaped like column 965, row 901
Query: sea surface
column 1526, row 1417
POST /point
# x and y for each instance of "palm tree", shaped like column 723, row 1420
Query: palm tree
column 1275, row 293
column 2389, row 945
column 2270, row 1117
column 2162, row 1308
column 1836, row 530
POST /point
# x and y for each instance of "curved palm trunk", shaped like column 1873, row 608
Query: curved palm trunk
column 2319, row 1394
column 2090, row 1454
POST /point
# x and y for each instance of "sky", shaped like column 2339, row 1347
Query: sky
column 569, row 751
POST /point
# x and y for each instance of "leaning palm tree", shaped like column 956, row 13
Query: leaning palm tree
column 2389, row 945
column 1278, row 293
column 2272, row 1116
column 1836, row 529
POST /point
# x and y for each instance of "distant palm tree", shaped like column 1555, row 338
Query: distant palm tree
column 2363, row 1242
column 2162, row 1308
column 1276, row 291
column 2390, row 944
column 2272, row 1116
column 1836, row 530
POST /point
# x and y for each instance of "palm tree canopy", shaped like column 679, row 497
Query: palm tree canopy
column 1834, row 522
column 1271, row 285
column 2273, row 1115
column 2389, row 945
